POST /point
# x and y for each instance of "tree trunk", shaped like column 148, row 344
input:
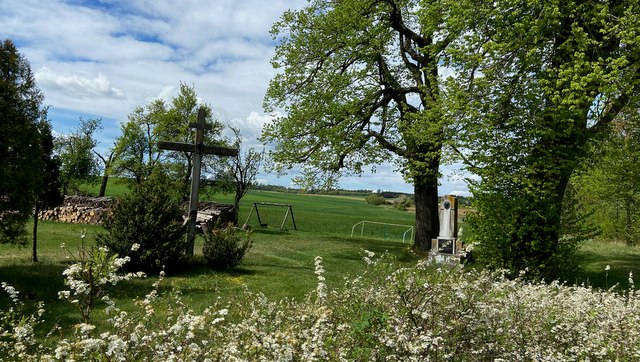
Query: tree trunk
column 36, row 213
column 103, row 184
column 427, row 219
column 105, row 175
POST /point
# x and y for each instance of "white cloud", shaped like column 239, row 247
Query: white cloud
column 102, row 58
column 78, row 86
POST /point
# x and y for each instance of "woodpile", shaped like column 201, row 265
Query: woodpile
column 210, row 212
column 79, row 210
column 93, row 210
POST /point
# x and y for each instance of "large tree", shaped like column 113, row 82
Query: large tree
column 359, row 86
column 542, row 78
column 20, row 148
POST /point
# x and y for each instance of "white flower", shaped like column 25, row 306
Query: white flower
column 135, row 247
column 607, row 268
column 13, row 293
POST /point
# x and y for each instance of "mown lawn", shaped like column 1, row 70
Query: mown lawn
column 280, row 263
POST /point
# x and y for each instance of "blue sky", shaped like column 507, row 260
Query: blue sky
column 102, row 58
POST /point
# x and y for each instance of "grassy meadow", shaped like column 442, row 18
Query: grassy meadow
column 280, row 263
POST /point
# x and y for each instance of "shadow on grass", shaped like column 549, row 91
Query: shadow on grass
column 594, row 274
column 34, row 282
column 400, row 251
column 266, row 231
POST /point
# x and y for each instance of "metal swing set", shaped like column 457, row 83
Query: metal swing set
column 284, row 220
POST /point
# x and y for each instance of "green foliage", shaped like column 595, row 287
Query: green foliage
column 359, row 85
column 225, row 246
column 151, row 217
column 554, row 75
column 21, row 157
column 609, row 182
column 137, row 153
column 50, row 194
column 516, row 234
column 375, row 199
column 77, row 155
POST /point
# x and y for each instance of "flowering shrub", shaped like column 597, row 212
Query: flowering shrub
column 93, row 269
column 422, row 313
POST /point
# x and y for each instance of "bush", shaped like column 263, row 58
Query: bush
column 151, row 217
column 384, row 314
column 224, row 247
column 404, row 202
column 374, row 199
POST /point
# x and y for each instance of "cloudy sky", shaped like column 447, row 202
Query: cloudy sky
column 102, row 58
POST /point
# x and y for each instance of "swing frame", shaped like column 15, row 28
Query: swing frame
column 284, row 220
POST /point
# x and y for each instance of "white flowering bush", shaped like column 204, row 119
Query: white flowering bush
column 87, row 278
column 422, row 313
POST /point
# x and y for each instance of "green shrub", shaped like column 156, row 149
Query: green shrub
column 150, row 217
column 374, row 199
column 224, row 247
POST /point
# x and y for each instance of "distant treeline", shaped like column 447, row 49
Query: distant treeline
column 462, row 200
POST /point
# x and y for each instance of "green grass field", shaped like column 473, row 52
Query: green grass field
column 280, row 264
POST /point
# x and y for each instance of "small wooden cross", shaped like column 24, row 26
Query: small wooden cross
column 198, row 149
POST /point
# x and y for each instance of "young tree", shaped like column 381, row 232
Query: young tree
column 359, row 87
column 238, row 173
column 541, row 78
column 20, row 146
column 76, row 151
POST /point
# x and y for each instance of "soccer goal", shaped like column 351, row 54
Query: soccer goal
column 268, row 213
column 383, row 230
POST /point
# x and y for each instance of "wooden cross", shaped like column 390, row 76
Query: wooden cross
column 198, row 149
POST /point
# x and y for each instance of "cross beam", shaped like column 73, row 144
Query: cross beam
column 198, row 149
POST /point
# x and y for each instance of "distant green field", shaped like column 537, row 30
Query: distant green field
column 312, row 213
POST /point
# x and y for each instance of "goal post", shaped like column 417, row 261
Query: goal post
column 289, row 212
column 406, row 230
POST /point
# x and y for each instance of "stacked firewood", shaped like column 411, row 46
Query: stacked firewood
column 93, row 210
column 80, row 210
column 210, row 212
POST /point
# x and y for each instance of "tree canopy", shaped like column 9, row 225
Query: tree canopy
column 537, row 80
column 359, row 86
column 76, row 151
column 136, row 153
column 21, row 161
